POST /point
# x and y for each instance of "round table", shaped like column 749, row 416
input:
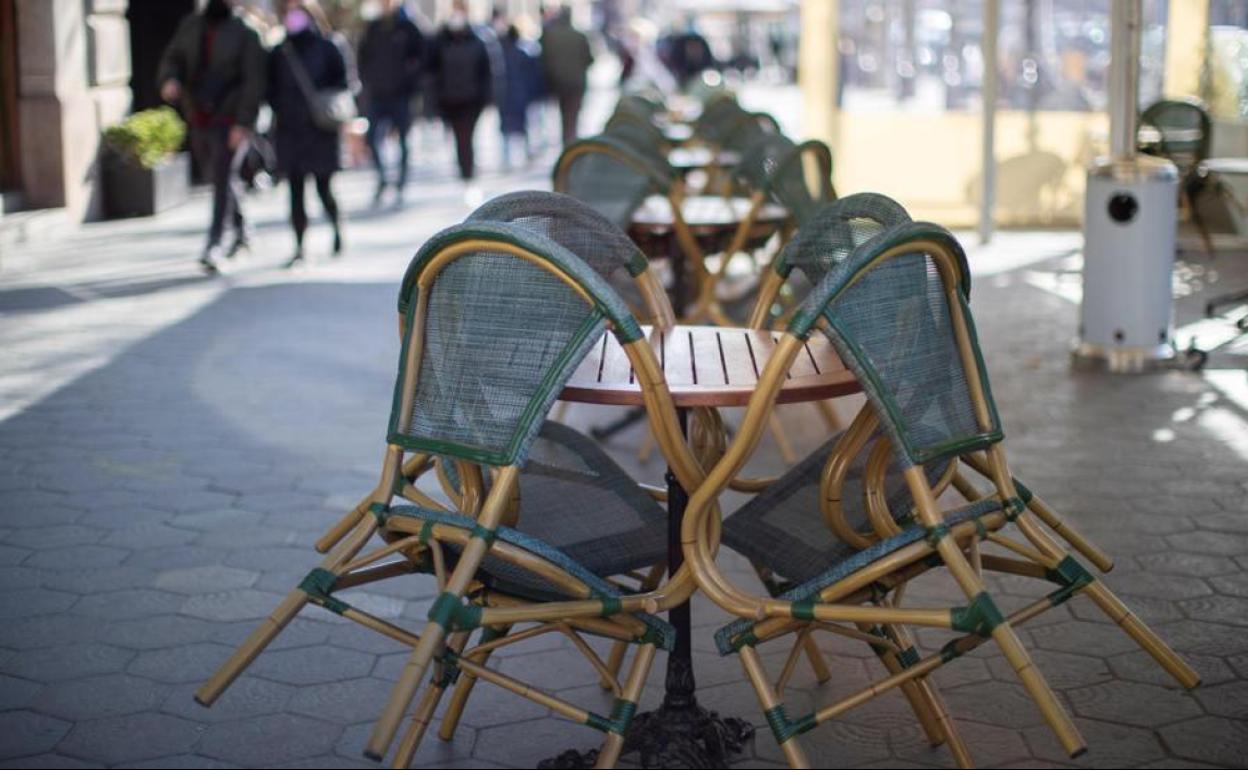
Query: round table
column 712, row 219
column 687, row 159
column 705, row 366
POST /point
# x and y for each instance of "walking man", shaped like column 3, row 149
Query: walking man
column 565, row 62
column 391, row 56
column 214, row 68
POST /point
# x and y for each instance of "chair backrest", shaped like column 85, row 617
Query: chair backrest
column 798, row 176
column 639, row 104
column 586, row 233
column 498, row 316
column 639, row 134
column 746, row 129
column 834, row 230
column 717, row 116
column 610, row 176
column 1183, row 128
column 897, row 313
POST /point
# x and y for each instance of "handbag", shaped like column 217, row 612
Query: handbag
column 330, row 108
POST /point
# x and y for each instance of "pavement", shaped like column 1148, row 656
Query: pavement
column 171, row 445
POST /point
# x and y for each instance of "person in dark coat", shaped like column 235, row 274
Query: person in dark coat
column 391, row 56
column 213, row 68
column 303, row 148
column 521, row 85
column 565, row 63
column 459, row 65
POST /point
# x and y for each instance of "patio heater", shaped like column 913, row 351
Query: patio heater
column 1130, row 217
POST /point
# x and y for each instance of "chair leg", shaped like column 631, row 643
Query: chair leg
column 464, row 687
column 609, row 754
column 1003, row 634
column 817, row 662
column 277, row 620
column 424, row 711
column 615, row 661
column 829, row 415
column 918, row 699
column 768, row 699
column 957, row 747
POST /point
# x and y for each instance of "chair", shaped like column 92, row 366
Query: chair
column 774, row 170
column 851, row 525
column 540, row 518
column 612, row 177
column 1180, row 131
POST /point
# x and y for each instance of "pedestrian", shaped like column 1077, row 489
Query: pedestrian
column 459, row 64
column 214, row 69
column 391, row 56
column 308, row 63
column 521, row 85
column 565, row 61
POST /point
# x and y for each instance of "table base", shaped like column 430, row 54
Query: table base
column 680, row 733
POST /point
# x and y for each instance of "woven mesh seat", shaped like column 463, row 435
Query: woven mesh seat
column 852, row 561
column 775, row 166
column 610, row 176
column 783, row 528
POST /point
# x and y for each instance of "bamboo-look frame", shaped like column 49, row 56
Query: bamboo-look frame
column 662, row 413
column 929, row 515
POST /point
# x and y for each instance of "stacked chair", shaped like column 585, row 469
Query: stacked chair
column 1183, row 131
column 841, row 534
column 496, row 314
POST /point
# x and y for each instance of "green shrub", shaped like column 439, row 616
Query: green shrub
column 146, row 138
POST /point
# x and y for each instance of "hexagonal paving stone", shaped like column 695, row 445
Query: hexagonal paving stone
column 243, row 604
column 1221, row 543
column 78, row 558
column 62, row 536
column 1226, row 700
column 1204, row 638
column 342, row 702
column 1082, row 637
column 10, row 555
column 1191, row 564
column 269, row 740
column 524, row 744
column 176, row 665
column 1155, row 585
column 1062, row 669
column 1133, row 703
column 247, row 697
column 29, row 602
column 187, row 761
column 70, row 661
column 851, row 744
column 129, row 604
column 132, row 738
column 313, row 665
column 156, row 632
column 433, row 751
column 149, row 535
column 50, row 761
column 1213, row 740
column 23, row 733
column 100, row 696
column 995, row 703
column 1232, row 610
column 98, row 581
column 1109, row 745
column 550, row 671
column 1139, row 666
column 17, row 693
column 205, row 580
column 300, row 632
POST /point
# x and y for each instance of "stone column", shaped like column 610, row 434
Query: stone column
column 73, row 73
column 819, row 64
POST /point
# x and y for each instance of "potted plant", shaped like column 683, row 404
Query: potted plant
column 144, row 172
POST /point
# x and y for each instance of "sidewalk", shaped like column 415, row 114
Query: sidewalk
column 171, row 445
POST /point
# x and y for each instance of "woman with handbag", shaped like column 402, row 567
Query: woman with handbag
column 310, row 93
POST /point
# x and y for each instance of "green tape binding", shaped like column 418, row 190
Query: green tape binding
column 979, row 617
column 610, row 604
column 622, row 712
column 746, row 638
column 1014, row 508
column 381, row 512
column 319, row 584
column 803, row 609
column 936, row 534
column 426, row 532
column 1071, row 576
column 453, row 615
column 908, row 657
column 488, row 535
column 784, row 728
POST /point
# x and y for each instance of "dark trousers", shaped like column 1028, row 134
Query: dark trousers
column 218, row 165
column 384, row 114
column 298, row 214
column 463, row 122
column 569, row 114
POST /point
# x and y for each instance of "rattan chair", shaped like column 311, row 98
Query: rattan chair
column 773, row 170
column 496, row 315
column 1180, row 130
column 612, row 177
column 850, row 526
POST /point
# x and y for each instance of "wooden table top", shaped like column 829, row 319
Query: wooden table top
column 691, row 158
column 704, row 212
column 709, row 366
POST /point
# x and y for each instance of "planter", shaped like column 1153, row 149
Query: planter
column 134, row 191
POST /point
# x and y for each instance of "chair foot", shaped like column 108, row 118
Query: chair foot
column 609, row 754
column 255, row 644
column 420, row 723
column 403, row 693
column 1038, row 688
column 768, row 699
column 1144, row 636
